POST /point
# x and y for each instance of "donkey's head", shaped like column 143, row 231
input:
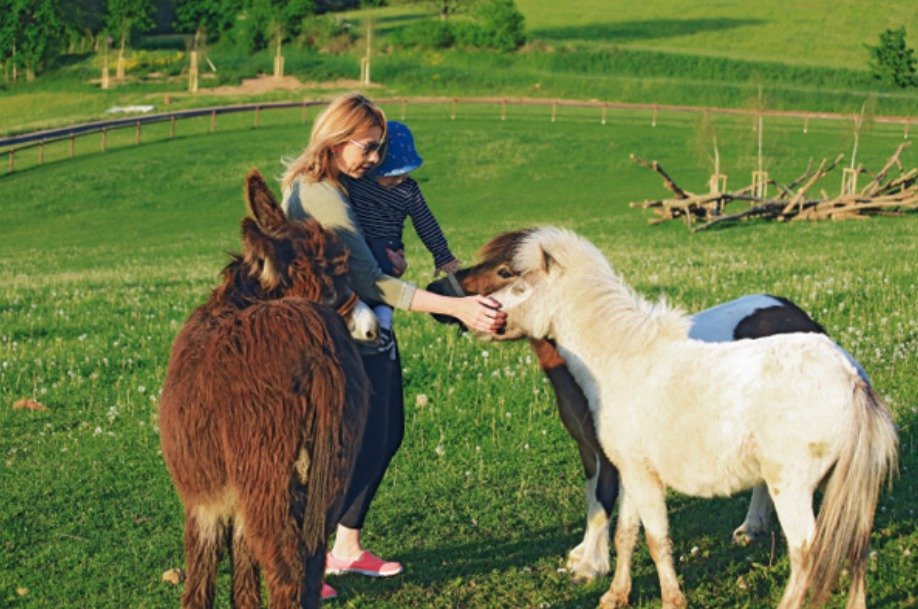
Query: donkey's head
column 283, row 258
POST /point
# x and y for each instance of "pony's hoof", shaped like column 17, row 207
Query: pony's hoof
column 747, row 535
column 613, row 600
column 584, row 571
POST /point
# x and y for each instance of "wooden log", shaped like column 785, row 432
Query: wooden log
column 668, row 182
column 877, row 181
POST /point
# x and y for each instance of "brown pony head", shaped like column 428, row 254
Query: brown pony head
column 282, row 257
column 494, row 271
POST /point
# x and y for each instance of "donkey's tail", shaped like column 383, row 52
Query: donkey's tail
column 332, row 431
column 868, row 459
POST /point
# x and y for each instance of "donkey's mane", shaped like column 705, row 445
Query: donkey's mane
column 298, row 259
column 596, row 291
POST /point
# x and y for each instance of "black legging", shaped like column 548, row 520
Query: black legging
column 382, row 436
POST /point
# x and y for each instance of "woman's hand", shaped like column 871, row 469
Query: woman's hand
column 398, row 261
column 480, row 313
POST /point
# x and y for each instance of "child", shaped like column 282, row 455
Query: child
column 383, row 199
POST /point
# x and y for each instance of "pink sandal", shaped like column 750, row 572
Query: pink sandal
column 365, row 564
column 328, row 593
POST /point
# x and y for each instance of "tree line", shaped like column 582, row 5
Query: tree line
column 33, row 33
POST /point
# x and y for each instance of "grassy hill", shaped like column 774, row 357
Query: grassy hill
column 805, row 56
column 820, row 33
column 104, row 257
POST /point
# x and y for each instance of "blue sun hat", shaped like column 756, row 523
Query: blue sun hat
column 401, row 157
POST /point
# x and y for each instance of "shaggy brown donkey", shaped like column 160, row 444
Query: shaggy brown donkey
column 262, row 410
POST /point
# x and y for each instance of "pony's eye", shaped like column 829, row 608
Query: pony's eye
column 504, row 273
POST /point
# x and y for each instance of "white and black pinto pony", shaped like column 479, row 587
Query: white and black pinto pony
column 789, row 411
column 747, row 317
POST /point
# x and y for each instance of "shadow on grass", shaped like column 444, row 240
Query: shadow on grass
column 694, row 522
column 640, row 30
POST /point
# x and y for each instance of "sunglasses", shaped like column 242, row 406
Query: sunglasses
column 368, row 148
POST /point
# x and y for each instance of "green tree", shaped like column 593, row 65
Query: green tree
column 126, row 17
column 270, row 22
column 214, row 17
column 892, row 61
column 31, row 33
column 445, row 8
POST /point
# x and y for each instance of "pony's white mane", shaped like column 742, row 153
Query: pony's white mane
column 596, row 291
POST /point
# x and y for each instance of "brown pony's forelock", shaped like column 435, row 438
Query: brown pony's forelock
column 503, row 247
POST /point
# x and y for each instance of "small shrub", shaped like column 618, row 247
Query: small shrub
column 327, row 33
column 502, row 25
column 426, row 34
column 892, row 61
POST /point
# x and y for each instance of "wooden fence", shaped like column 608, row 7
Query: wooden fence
column 10, row 146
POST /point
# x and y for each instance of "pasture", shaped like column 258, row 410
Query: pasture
column 803, row 56
column 104, row 256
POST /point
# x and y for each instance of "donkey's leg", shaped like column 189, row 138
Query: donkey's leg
column 590, row 558
column 273, row 534
column 246, row 593
column 649, row 496
column 626, row 533
column 204, row 539
column 757, row 518
column 313, row 573
column 794, row 506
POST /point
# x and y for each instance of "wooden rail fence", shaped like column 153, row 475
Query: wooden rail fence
column 10, row 146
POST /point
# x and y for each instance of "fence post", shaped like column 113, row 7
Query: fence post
column 305, row 112
column 104, row 132
column 503, row 109
column 905, row 135
column 404, row 105
column 806, row 124
column 172, row 126
column 453, row 115
column 72, row 145
column 213, row 121
column 257, row 110
column 653, row 120
column 605, row 112
column 137, row 133
column 41, row 152
column 12, row 154
column 554, row 110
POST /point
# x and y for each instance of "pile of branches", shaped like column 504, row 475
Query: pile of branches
column 883, row 195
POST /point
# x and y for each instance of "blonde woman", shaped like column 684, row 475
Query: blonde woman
column 348, row 139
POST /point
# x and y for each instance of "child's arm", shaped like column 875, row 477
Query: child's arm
column 429, row 230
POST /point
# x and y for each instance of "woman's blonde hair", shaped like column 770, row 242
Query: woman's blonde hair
column 344, row 117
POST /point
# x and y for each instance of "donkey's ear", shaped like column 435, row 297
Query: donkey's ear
column 262, row 205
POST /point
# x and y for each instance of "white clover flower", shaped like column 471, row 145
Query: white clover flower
column 440, row 450
column 421, row 400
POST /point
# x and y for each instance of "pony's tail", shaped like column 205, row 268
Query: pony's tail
column 868, row 459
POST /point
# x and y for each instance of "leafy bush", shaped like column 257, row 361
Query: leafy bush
column 495, row 24
column 892, row 61
column 326, row 32
column 425, row 34
column 501, row 25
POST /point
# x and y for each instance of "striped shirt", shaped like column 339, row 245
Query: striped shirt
column 382, row 212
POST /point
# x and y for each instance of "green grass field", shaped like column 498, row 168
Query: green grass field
column 104, row 256
column 803, row 56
